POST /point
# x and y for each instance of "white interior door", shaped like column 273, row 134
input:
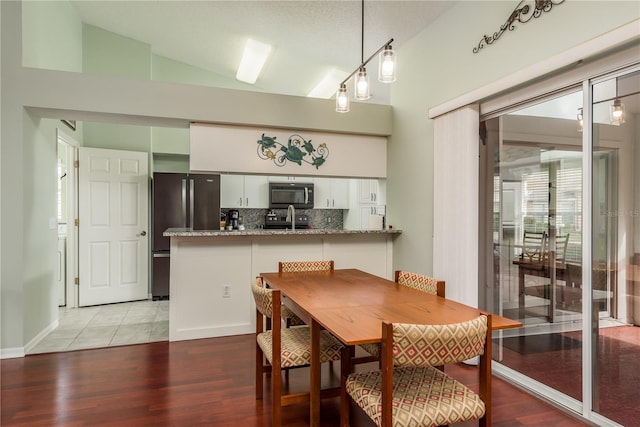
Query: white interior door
column 113, row 226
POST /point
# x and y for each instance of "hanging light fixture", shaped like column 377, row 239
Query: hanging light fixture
column 386, row 73
column 387, row 65
column 616, row 110
column 342, row 99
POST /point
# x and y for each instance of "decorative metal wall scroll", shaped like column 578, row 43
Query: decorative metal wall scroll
column 297, row 150
column 523, row 13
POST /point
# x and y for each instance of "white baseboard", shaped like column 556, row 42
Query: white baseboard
column 11, row 353
column 46, row 331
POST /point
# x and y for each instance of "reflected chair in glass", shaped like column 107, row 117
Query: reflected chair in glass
column 409, row 391
column 417, row 281
column 300, row 266
column 533, row 246
column 283, row 348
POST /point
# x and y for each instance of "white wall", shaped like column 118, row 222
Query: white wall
column 439, row 65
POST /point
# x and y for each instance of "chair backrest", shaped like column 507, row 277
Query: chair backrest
column 421, row 282
column 533, row 245
column 436, row 345
column 263, row 298
column 294, row 266
column 562, row 241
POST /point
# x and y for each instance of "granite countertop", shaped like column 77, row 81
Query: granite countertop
column 187, row 232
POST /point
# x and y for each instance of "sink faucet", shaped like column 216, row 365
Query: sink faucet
column 291, row 216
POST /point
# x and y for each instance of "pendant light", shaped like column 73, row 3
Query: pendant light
column 386, row 72
column 387, row 65
column 342, row 99
column 616, row 110
column 361, row 90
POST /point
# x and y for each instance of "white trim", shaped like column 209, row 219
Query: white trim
column 36, row 340
column 587, row 221
column 11, row 353
column 613, row 38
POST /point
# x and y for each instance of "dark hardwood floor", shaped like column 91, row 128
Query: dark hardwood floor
column 205, row 382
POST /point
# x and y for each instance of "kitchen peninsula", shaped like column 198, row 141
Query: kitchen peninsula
column 211, row 270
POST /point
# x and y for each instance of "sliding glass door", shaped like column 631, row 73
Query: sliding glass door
column 560, row 186
column 615, row 249
column 536, row 157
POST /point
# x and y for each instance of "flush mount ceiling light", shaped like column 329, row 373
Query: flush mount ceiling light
column 253, row 59
column 386, row 73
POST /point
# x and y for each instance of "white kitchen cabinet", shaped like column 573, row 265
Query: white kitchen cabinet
column 244, row 191
column 371, row 217
column 331, row 193
column 368, row 190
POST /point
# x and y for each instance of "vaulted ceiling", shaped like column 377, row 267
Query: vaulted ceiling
column 309, row 38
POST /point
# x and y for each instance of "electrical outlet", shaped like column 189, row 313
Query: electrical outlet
column 226, row 291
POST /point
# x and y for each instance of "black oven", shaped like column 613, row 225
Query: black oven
column 283, row 194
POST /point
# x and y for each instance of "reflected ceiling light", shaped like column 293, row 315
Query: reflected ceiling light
column 580, row 120
column 386, row 72
column 326, row 88
column 616, row 110
column 253, row 59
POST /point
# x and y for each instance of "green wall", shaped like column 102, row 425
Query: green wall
column 439, row 65
column 52, row 36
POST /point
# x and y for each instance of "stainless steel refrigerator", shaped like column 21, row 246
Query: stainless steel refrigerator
column 184, row 201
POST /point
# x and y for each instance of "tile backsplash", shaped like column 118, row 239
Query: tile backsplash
column 332, row 219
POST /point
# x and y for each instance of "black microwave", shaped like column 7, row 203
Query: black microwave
column 284, row 194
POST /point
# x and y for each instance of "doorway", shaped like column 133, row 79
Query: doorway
column 67, row 208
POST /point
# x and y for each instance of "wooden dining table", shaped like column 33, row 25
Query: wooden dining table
column 351, row 304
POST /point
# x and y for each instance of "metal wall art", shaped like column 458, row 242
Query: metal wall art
column 523, row 13
column 297, row 150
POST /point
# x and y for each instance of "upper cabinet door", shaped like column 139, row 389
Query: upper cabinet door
column 368, row 191
column 232, row 191
column 256, row 191
column 331, row 193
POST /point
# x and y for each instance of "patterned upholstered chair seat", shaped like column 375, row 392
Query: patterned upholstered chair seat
column 419, row 394
column 421, row 397
column 295, row 348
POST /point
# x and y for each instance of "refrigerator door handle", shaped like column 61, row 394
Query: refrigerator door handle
column 184, row 203
column 191, row 202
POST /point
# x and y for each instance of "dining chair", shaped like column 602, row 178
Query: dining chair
column 417, row 281
column 300, row 266
column 533, row 246
column 409, row 391
column 283, row 348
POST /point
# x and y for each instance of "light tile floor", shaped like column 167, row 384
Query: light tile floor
column 107, row 325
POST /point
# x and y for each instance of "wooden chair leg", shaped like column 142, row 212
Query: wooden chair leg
column 276, row 395
column 345, row 369
column 259, row 373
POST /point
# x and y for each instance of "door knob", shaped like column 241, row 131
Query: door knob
column 143, row 233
